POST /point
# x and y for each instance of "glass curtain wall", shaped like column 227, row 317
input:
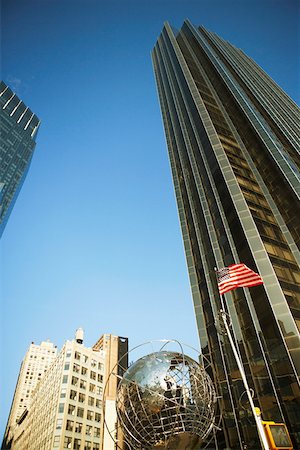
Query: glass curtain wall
column 235, row 165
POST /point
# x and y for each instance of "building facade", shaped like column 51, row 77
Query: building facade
column 67, row 408
column 233, row 141
column 36, row 362
column 18, row 127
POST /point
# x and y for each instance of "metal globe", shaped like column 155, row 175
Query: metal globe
column 166, row 400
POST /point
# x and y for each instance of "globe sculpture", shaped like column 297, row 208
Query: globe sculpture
column 166, row 400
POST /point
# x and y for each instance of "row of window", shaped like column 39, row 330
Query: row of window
column 84, row 358
column 84, row 371
column 286, row 274
column 82, row 383
column 76, row 444
column 77, row 427
column 74, row 395
column 90, row 415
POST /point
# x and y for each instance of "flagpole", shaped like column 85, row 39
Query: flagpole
column 260, row 429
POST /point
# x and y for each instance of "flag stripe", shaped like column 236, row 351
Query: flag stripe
column 237, row 275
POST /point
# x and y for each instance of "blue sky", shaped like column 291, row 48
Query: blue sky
column 94, row 237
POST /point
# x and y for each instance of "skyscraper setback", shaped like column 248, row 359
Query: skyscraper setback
column 233, row 141
column 19, row 126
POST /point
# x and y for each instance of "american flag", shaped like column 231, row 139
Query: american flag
column 237, row 275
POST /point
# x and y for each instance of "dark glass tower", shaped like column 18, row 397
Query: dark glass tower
column 19, row 128
column 233, row 140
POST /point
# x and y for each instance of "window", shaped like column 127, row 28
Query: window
column 100, row 377
column 67, row 366
column 97, row 417
column 59, row 424
column 76, row 368
column 82, row 384
column 70, row 425
column 78, row 427
column 61, row 407
column 296, row 276
column 96, row 446
column 69, row 353
column 67, row 442
column 73, row 395
column 90, row 415
column 85, row 358
column 92, row 387
column 98, row 403
column 81, row 398
column 99, row 390
column 56, row 441
column 88, row 446
column 91, row 401
column 77, row 356
column 77, row 444
column 80, row 412
column 93, row 375
column 88, row 430
column 93, row 363
column 74, row 381
column 71, row 410
column 100, row 366
column 83, row 370
column 96, row 432
column 63, row 393
column 65, row 379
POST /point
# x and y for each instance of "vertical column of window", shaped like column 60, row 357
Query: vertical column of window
column 14, row 176
column 10, row 154
column 261, row 82
column 200, row 243
column 262, row 79
column 6, row 97
column 288, row 106
column 3, row 88
column 175, row 167
column 194, row 183
column 179, row 183
column 188, row 236
column 11, row 105
column 282, row 121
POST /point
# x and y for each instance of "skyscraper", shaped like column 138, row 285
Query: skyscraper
column 70, row 404
column 233, row 141
column 37, row 360
column 18, row 126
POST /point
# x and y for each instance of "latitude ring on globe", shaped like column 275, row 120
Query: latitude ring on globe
column 165, row 400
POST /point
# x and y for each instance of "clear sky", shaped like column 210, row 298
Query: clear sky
column 94, row 237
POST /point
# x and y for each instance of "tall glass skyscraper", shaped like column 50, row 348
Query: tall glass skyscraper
column 233, row 140
column 19, row 128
